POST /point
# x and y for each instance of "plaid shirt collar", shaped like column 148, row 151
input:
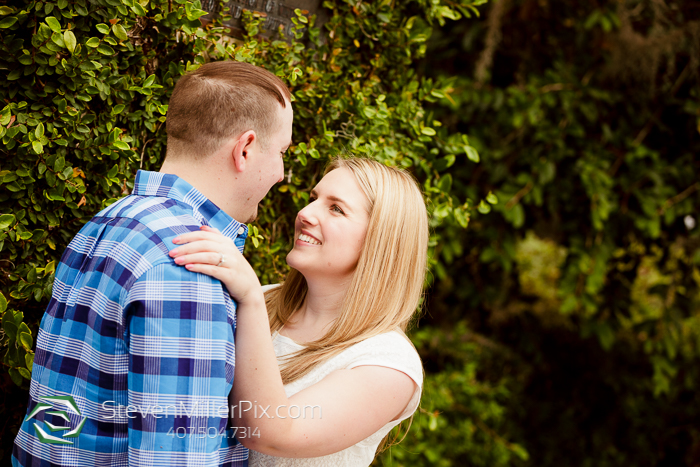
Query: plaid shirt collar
column 206, row 212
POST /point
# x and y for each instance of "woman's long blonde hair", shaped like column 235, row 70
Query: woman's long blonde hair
column 387, row 284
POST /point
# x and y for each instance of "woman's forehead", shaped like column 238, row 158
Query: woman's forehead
column 341, row 184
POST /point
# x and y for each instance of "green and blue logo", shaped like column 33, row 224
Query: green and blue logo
column 64, row 402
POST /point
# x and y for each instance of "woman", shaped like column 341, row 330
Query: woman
column 347, row 373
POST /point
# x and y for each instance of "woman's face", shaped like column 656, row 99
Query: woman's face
column 330, row 231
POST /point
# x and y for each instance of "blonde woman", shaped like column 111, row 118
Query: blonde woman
column 339, row 373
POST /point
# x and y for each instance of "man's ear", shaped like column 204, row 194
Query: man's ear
column 242, row 149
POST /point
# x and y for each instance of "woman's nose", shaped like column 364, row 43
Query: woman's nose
column 307, row 215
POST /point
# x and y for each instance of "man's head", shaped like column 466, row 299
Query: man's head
column 221, row 100
column 228, row 126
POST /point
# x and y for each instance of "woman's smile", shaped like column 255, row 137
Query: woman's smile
column 306, row 238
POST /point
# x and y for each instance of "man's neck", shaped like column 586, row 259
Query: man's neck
column 210, row 179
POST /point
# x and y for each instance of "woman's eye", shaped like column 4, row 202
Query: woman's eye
column 337, row 209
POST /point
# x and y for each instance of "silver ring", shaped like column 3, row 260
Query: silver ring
column 223, row 260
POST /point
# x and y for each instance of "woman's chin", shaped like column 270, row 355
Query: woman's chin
column 294, row 262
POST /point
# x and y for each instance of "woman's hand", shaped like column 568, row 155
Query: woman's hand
column 211, row 253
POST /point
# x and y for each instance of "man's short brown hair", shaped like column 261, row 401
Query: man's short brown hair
column 221, row 100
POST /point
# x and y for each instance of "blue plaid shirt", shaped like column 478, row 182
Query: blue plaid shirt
column 144, row 347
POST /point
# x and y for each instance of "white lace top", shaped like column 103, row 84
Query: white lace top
column 391, row 350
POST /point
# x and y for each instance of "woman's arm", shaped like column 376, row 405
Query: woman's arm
column 341, row 410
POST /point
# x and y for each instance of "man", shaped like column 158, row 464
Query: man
column 135, row 355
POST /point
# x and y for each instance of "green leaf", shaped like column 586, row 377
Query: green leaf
column 196, row 13
column 445, row 183
column 38, row 147
column 461, row 217
column 428, row 131
column 121, row 145
column 9, row 326
column 472, row 155
column 103, row 28
column 7, row 22
column 138, row 9
column 6, row 220
column 50, row 268
column 432, row 425
column 114, row 135
column 53, row 23
column 29, row 361
column 491, row 198
column 5, row 10
column 483, row 207
column 24, row 373
column 119, row 32
column 62, row 4
column 520, row 451
column 26, row 340
column 59, row 164
column 39, row 132
column 93, row 42
column 57, row 39
column 3, row 303
column 104, row 49
column 15, row 376
column 69, row 39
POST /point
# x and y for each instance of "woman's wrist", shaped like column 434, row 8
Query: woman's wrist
column 254, row 299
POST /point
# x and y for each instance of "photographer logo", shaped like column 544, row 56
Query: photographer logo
column 59, row 407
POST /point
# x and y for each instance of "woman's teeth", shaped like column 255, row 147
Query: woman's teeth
column 307, row 239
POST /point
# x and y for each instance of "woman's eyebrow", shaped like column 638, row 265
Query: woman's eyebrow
column 334, row 199
column 339, row 200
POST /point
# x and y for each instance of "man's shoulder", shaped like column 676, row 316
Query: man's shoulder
column 150, row 215
column 138, row 227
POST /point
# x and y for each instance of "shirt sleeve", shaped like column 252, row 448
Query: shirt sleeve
column 180, row 338
column 392, row 350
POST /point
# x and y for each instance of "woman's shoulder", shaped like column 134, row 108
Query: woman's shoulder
column 388, row 339
column 390, row 349
column 267, row 287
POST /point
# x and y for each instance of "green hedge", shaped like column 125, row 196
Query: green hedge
column 588, row 272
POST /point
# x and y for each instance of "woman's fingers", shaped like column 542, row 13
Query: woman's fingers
column 209, row 270
column 209, row 234
column 210, row 229
column 240, row 279
column 201, row 246
column 197, row 236
column 210, row 258
column 203, row 252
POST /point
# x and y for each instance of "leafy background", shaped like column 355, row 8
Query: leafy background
column 561, row 327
